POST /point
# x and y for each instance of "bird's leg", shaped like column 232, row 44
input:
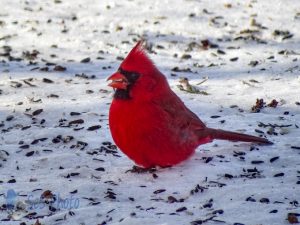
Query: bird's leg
column 137, row 169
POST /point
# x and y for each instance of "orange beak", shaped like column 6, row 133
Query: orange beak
column 118, row 81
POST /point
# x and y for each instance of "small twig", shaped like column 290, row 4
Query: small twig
column 245, row 82
column 204, row 80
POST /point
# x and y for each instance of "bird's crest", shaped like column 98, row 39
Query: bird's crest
column 137, row 60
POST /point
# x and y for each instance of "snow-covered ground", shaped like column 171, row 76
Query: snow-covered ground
column 55, row 143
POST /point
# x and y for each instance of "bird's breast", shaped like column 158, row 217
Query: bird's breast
column 149, row 135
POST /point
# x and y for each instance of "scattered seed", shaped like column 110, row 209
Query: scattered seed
column 208, row 159
column 221, row 52
column 218, row 211
column 110, row 194
column 86, row 60
column 264, row 200
column 159, row 191
column 45, row 69
column 12, row 181
column 207, row 205
column 24, row 146
column 253, row 63
column 172, row 199
column 92, row 128
column 234, row 59
column 259, row 131
column 89, row 91
column 74, row 174
column 73, row 122
column 75, row 113
column 37, row 112
column 59, row 68
column 250, row 199
column 197, row 189
column 56, row 140
column 279, row 175
column 257, row 162
column 229, row 176
column 186, row 56
column 10, row 118
column 197, row 222
column 177, row 69
column 120, row 58
column 15, row 84
column 52, row 96
column 46, row 80
column 28, row 154
column 181, row 209
column 274, row 159
column 84, row 76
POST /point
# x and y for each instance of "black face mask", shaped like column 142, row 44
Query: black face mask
column 131, row 76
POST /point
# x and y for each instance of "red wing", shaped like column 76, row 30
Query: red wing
column 180, row 115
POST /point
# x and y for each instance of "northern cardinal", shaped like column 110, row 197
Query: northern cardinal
column 150, row 123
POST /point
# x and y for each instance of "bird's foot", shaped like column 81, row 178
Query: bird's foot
column 137, row 169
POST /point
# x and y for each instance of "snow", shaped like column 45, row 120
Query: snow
column 223, row 183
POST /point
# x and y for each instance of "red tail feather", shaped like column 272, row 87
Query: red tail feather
column 233, row 136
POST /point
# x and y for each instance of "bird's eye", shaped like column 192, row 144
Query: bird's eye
column 134, row 76
column 130, row 75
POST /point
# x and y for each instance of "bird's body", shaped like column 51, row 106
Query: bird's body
column 162, row 133
column 150, row 123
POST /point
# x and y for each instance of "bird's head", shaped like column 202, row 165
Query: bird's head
column 136, row 76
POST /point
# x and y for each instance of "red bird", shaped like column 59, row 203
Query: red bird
column 150, row 123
